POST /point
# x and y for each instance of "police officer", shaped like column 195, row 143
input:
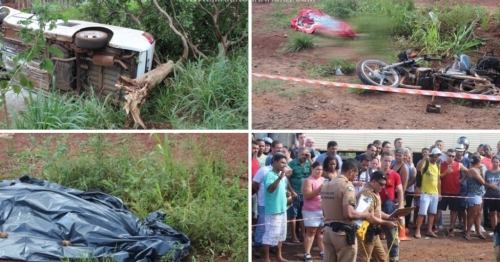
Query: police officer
column 372, row 246
column 338, row 202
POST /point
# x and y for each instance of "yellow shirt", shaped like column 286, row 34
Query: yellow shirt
column 430, row 179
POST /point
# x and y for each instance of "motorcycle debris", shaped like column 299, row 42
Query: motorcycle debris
column 432, row 108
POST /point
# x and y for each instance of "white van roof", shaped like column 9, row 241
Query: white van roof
column 123, row 38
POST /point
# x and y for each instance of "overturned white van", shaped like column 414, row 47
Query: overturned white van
column 95, row 55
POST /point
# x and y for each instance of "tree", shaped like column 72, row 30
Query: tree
column 224, row 18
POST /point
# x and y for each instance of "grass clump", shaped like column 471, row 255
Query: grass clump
column 294, row 93
column 207, row 94
column 201, row 195
column 58, row 111
column 267, row 85
column 345, row 66
column 297, row 42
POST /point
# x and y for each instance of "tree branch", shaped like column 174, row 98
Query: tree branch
column 171, row 25
column 194, row 48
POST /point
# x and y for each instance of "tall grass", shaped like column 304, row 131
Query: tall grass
column 407, row 24
column 297, row 42
column 67, row 112
column 200, row 194
column 206, row 94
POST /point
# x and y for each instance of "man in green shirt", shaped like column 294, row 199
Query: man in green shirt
column 301, row 167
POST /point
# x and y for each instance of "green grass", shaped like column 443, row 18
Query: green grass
column 294, row 93
column 347, row 67
column 358, row 91
column 497, row 15
column 201, row 195
column 297, row 42
column 207, row 94
column 279, row 19
column 66, row 112
column 267, row 85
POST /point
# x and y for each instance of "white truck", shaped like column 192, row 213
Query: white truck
column 95, row 55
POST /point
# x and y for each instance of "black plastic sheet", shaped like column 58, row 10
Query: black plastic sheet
column 38, row 215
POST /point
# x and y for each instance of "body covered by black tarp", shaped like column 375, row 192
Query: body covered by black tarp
column 38, row 215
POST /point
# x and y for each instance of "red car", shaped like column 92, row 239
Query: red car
column 312, row 20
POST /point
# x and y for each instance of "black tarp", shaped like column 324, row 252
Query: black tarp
column 38, row 215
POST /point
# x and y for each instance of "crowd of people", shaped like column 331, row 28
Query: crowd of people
column 313, row 196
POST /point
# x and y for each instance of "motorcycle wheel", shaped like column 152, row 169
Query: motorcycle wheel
column 369, row 71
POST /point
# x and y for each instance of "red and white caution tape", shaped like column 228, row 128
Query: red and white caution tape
column 311, row 218
column 446, row 196
column 383, row 88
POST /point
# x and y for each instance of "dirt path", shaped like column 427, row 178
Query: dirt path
column 290, row 105
column 444, row 248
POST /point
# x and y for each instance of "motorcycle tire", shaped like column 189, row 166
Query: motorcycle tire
column 369, row 73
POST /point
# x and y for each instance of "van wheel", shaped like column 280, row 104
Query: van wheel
column 91, row 39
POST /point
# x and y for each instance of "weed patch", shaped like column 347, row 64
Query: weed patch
column 200, row 194
column 294, row 93
column 297, row 42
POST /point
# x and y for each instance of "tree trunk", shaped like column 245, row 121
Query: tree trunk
column 137, row 91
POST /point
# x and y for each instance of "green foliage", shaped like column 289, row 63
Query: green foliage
column 208, row 94
column 345, row 66
column 294, row 93
column 266, row 85
column 297, row 42
column 46, row 19
column 484, row 17
column 358, row 91
column 342, row 9
column 187, row 14
column 201, row 195
column 451, row 17
column 497, row 15
column 432, row 40
column 67, row 112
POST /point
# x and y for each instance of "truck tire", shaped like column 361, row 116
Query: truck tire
column 91, row 39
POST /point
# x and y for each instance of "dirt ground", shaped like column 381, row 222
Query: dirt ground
column 444, row 248
column 309, row 106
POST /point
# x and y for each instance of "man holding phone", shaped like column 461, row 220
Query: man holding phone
column 275, row 207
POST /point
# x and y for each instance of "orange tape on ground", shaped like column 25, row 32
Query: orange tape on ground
column 383, row 88
column 304, row 219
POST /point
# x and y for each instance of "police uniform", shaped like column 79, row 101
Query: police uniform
column 334, row 195
column 373, row 249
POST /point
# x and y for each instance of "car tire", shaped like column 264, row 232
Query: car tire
column 91, row 39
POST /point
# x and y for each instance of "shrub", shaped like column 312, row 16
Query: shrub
column 297, row 42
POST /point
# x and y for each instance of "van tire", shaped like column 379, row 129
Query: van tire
column 91, row 39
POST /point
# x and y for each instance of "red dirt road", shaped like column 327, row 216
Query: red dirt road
column 290, row 105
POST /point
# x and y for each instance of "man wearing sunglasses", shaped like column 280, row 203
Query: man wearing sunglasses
column 450, row 187
column 429, row 191
column 372, row 246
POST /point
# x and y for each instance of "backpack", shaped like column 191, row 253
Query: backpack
column 418, row 181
